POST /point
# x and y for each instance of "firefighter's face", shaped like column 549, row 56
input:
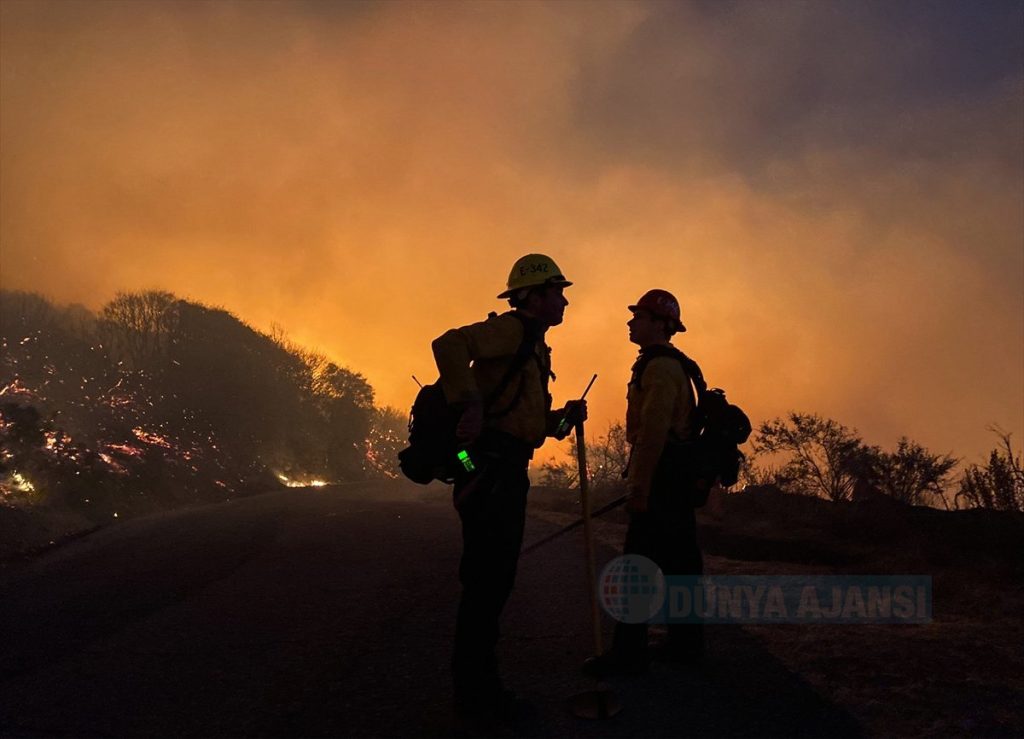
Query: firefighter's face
column 645, row 329
column 548, row 304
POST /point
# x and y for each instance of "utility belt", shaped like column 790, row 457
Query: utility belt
column 677, row 476
column 495, row 454
column 501, row 445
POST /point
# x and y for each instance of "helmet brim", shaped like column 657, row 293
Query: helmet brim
column 554, row 281
column 680, row 328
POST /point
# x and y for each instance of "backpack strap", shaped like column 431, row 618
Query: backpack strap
column 690, row 367
column 527, row 348
column 692, row 370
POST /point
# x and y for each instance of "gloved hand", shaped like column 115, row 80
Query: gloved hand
column 574, row 412
column 471, row 424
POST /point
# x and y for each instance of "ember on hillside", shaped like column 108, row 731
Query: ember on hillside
column 157, row 401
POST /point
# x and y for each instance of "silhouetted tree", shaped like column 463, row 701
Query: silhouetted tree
column 607, row 458
column 227, row 380
column 160, row 401
column 389, row 434
column 910, row 474
column 340, row 383
column 559, row 474
column 337, row 406
column 345, row 401
column 999, row 484
column 824, row 457
column 53, row 358
column 753, row 474
column 138, row 327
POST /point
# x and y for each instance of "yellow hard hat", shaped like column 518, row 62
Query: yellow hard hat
column 533, row 270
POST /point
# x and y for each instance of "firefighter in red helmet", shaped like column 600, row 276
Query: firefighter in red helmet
column 661, row 406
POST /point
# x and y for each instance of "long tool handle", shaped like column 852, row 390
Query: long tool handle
column 588, row 536
column 565, row 418
column 574, row 525
column 589, row 385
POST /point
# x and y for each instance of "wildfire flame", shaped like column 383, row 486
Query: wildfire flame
column 151, row 438
column 120, row 421
column 17, row 387
column 301, row 483
column 21, row 484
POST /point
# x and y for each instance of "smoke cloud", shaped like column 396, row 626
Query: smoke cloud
column 835, row 191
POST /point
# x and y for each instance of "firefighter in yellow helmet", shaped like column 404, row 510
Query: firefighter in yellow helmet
column 661, row 407
column 501, row 433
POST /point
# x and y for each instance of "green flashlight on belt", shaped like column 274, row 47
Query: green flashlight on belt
column 466, row 461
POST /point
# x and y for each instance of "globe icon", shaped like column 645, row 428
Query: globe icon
column 631, row 589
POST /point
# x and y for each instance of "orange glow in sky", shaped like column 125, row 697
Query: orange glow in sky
column 840, row 215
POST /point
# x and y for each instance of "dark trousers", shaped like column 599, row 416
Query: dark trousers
column 492, row 506
column 667, row 535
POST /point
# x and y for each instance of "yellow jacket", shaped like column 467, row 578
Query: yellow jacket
column 490, row 347
column 662, row 401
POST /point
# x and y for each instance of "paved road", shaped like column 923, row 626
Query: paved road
column 328, row 612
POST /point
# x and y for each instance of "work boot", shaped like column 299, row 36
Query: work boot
column 615, row 663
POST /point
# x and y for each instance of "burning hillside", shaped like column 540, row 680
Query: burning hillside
column 158, row 401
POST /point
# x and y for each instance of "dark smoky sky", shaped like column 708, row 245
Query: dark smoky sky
column 834, row 190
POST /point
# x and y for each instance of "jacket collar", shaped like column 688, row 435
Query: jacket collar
column 530, row 324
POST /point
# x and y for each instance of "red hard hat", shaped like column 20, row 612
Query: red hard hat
column 661, row 304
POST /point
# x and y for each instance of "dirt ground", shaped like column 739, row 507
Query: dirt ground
column 328, row 613
column 960, row 675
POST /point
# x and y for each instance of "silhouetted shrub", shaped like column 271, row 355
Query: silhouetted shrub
column 389, row 434
column 824, row 458
column 911, row 474
column 999, row 484
column 607, row 459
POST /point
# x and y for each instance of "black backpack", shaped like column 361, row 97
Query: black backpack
column 432, row 453
column 714, row 454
